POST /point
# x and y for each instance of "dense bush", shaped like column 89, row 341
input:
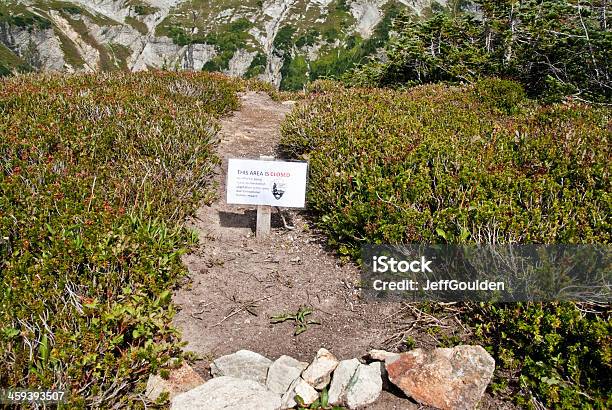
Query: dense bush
column 257, row 66
column 479, row 163
column 554, row 48
column 284, row 39
column 560, row 355
column 97, row 173
column 443, row 163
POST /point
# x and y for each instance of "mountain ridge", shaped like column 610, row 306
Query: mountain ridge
column 279, row 41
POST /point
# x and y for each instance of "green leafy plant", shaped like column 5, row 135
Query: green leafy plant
column 300, row 319
column 322, row 403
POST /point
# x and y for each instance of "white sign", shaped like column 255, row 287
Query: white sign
column 257, row 182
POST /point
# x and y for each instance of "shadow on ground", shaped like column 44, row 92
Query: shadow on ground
column 248, row 219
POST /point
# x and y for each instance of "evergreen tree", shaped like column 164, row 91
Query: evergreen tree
column 554, row 47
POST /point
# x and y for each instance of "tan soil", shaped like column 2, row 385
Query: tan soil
column 232, row 269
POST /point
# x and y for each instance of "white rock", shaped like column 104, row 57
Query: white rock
column 367, row 14
column 340, row 381
column 224, row 393
column 240, row 62
column 158, row 52
column 365, row 386
column 299, row 388
column 89, row 54
column 383, row 355
column 243, row 364
column 318, row 373
column 46, row 42
column 283, row 372
column 196, row 55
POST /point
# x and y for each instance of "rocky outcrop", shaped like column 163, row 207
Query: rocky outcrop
column 368, row 14
column 88, row 53
column 118, row 10
column 65, row 42
column 240, row 62
column 111, row 34
column 43, row 42
column 196, row 55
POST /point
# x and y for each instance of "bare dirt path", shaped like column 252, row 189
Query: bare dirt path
column 238, row 281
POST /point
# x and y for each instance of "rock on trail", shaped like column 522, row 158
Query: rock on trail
column 227, row 393
column 447, row 378
column 243, row 364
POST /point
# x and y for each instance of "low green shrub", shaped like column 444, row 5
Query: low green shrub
column 142, row 8
column 439, row 163
column 26, row 20
column 323, row 86
column 477, row 163
column 505, row 96
column 4, row 71
column 254, row 84
column 561, row 353
column 97, row 173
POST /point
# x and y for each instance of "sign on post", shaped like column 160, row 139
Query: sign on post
column 260, row 182
column 266, row 183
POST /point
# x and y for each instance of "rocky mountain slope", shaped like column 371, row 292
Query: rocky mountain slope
column 286, row 42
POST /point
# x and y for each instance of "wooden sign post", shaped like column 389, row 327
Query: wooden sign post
column 266, row 183
column 264, row 212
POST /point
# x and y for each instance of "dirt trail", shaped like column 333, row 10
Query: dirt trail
column 289, row 269
column 233, row 272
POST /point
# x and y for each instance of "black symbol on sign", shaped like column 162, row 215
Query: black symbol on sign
column 277, row 192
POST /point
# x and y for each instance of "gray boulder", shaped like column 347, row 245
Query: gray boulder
column 224, row 393
column 283, row 372
column 342, row 377
column 365, row 386
column 243, row 364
